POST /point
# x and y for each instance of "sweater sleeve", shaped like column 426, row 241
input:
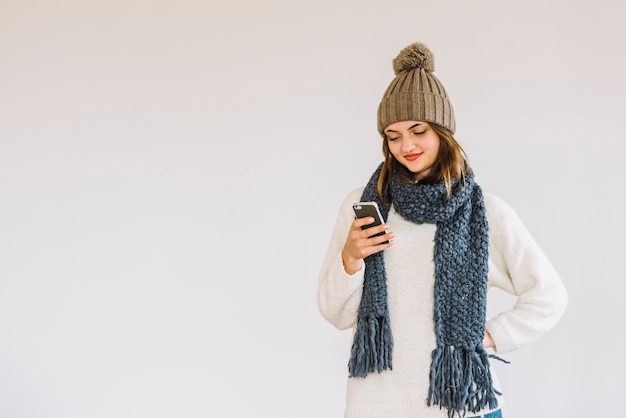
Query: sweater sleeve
column 518, row 266
column 339, row 293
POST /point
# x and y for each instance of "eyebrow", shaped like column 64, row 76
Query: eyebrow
column 413, row 126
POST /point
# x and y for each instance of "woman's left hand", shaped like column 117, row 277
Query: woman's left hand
column 488, row 341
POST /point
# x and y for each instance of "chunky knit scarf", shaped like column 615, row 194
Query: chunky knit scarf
column 459, row 377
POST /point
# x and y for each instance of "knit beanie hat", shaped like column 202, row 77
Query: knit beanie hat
column 415, row 93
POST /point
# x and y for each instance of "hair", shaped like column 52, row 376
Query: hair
column 451, row 164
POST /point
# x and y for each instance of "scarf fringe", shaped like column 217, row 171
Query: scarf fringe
column 460, row 381
column 372, row 347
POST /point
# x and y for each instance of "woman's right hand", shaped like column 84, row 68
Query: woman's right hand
column 359, row 244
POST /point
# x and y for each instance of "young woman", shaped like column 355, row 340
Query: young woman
column 415, row 297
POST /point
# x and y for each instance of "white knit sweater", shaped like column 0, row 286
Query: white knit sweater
column 516, row 265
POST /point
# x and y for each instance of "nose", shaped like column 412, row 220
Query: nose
column 407, row 144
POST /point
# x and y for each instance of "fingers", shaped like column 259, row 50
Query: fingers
column 360, row 233
column 488, row 340
column 362, row 243
column 361, row 222
column 378, row 243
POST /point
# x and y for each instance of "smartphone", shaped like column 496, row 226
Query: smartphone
column 365, row 209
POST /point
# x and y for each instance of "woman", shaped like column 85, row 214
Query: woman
column 415, row 296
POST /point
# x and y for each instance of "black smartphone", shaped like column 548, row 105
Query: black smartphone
column 365, row 209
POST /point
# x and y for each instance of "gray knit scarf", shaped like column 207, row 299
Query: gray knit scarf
column 459, row 377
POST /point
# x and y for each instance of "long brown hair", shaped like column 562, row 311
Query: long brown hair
column 451, row 164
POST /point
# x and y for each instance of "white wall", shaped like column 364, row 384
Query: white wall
column 170, row 173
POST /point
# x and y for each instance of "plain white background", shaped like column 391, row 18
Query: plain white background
column 170, row 173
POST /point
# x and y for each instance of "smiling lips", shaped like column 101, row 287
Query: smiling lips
column 412, row 157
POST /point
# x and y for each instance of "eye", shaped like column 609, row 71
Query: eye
column 419, row 132
column 392, row 139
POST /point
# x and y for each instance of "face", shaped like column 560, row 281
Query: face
column 414, row 144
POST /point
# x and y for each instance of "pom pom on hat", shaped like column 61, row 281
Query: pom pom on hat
column 416, row 55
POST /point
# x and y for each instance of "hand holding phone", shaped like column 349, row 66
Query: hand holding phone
column 358, row 247
column 365, row 209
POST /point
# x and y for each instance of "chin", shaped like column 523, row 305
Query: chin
column 416, row 170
